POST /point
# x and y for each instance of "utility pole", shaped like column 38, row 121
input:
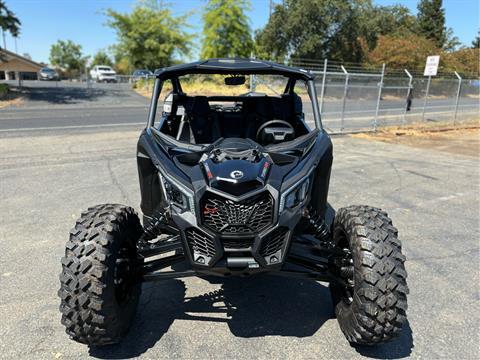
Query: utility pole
column 271, row 8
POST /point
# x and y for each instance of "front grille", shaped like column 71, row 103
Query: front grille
column 273, row 241
column 223, row 215
column 237, row 243
column 200, row 243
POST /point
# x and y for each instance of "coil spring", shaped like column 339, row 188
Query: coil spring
column 152, row 229
column 347, row 272
column 320, row 229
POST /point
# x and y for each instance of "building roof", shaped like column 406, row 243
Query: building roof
column 232, row 67
column 8, row 55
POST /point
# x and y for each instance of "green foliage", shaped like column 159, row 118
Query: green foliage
column 410, row 52
column 101, row 58
column 375, row 21
column 336, row 29
column 452, row 42
column 226, row 30
column 68, row 56
column 476, row 42
column 3, row 90
column 8, row 21
column 149, row 37
column 464, row 61
column 407, row 52
column 431, row 21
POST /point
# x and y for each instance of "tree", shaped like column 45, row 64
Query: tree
column 8, row 21
column 68, row 56
column 431, row 21
column 101, row 58
column 149, row 37
column 402, row 52
column 226, row 30
column 476, row 42
column 464, row 61
column 374, row 21
column 451, row 41
column 313, row 29
column 343, row 30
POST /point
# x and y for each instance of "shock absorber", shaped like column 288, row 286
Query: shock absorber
column 319, row 227
column 153, row 226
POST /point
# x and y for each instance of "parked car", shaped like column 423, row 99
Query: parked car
column 103, row 73
column 48, row 74
column 141, row 74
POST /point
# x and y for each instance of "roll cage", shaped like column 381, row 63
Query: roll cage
column 231, row 67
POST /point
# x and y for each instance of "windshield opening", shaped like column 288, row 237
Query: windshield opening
column 202, row 108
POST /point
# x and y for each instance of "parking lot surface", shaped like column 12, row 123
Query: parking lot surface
column 48, row 178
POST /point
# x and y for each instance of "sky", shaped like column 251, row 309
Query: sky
column 83, row 21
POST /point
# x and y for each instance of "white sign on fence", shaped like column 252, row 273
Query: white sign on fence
column 431, row 66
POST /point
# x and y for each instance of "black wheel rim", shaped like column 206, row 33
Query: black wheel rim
column 124, row 276
column 345, row 267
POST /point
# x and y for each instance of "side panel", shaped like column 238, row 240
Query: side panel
column 150, row 188
column 321, row 182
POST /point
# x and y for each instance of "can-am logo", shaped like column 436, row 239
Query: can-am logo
column 236, row 174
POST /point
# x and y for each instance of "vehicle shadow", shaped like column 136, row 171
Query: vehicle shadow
column 256, row 307
column 396, row 349
column 74, row 93
column 61, row 94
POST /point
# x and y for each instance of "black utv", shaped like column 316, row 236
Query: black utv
column 234, row 169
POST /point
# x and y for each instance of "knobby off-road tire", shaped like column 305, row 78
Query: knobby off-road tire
column 99, row 289
column 375, row 309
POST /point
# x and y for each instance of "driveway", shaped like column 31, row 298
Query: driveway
column 71, row 106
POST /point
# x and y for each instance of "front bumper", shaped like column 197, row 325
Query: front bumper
column 257, row 245
column 112, row 78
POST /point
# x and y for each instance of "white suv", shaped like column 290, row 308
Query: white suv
column 103, row 73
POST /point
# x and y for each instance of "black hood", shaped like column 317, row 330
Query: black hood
column 236, row 176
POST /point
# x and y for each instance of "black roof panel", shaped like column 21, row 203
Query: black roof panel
column 233, row 66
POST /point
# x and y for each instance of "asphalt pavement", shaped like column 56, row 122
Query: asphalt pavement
column 59, row 157
column 47, row 179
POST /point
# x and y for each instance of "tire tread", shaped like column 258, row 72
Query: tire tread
column 378, row 310
column 88, row 310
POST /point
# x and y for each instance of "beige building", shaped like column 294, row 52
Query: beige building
column 14, row 67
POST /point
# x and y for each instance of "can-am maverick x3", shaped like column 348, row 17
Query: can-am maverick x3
column 233, row 182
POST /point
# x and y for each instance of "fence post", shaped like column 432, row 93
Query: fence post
column 345, row 91
column 377, row 109
column 322, row 91
column 409, row 94
column 426, row 97
column 458, row 97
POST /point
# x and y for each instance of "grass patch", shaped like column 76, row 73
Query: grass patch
column 461, row 139
column 3, row 91
column 9, row 96
column 214, row 85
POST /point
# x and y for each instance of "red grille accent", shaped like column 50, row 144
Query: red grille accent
column 226, row 216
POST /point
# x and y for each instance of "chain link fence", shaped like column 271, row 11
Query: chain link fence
column 357, row 100
column 353, row 98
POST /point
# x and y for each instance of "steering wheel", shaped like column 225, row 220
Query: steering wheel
column 281, row 131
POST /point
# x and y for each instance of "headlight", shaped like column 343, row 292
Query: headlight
column 295, row 195
column 179, row 197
